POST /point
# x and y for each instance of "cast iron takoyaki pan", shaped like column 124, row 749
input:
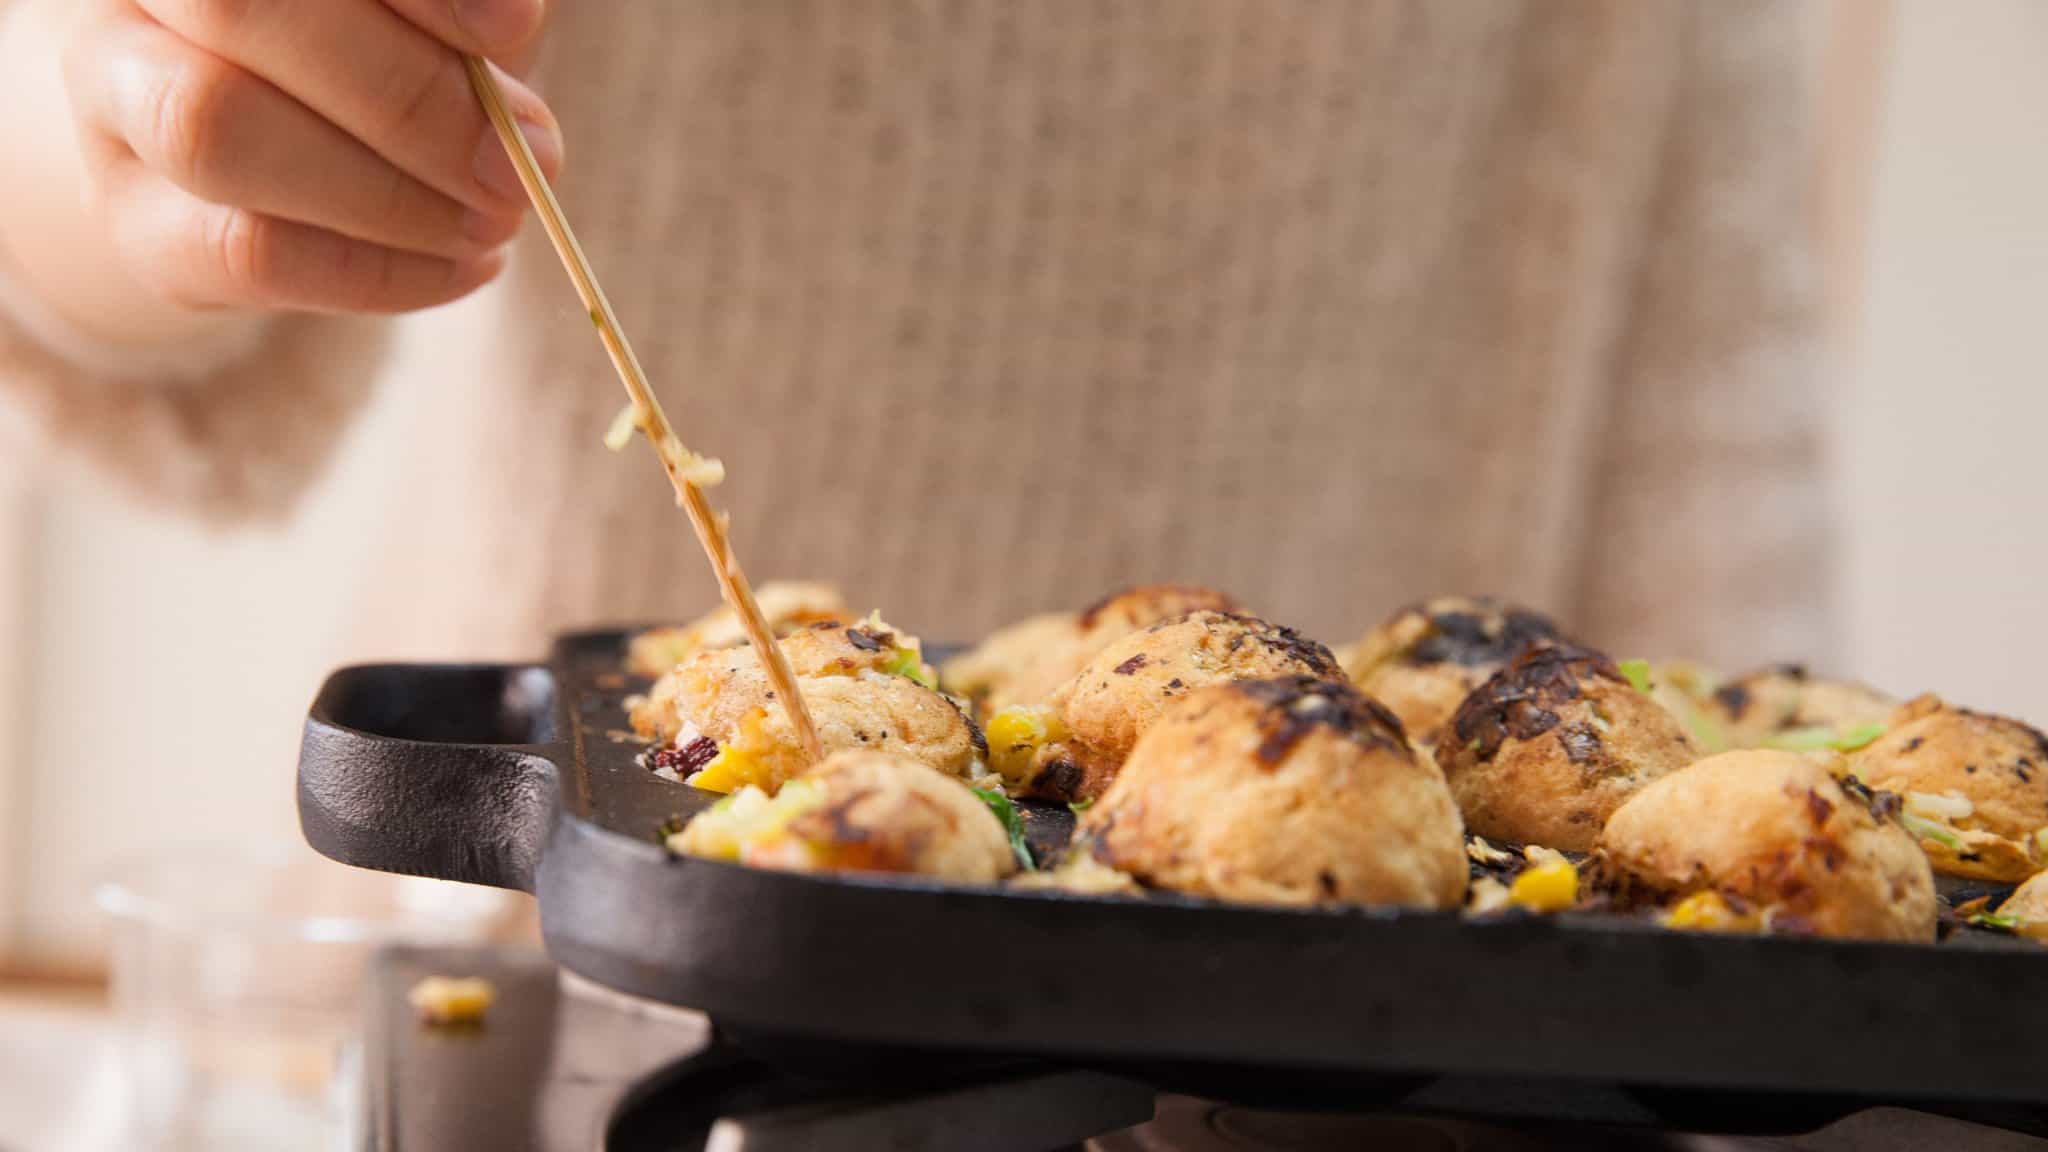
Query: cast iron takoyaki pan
column 522, row 776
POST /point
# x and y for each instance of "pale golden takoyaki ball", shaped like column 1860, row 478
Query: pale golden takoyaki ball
column 1982, row 779
column 826, row 648
column 1424, row 660
column 786, row 605
column 862, row 812
column 1022, row 664
column 1780, row 833
column 1547, row 748
column 724, row 697
column 1782, row 703
column 1109, row 704
column 1297, row 790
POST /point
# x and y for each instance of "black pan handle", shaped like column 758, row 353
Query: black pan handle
column 441, row 770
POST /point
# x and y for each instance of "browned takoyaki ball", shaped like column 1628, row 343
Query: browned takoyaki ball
column 1105, row 708
column 1778, row 834
column 1424, row 660
column 1297, row 790
column 863, row 812
column 1022, row 664
column 1975, row 786
column 1552, row 744
column 1783, row 705
column 786, row 605
column 722, row 728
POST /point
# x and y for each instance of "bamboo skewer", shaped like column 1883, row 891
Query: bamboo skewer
column 677, row 462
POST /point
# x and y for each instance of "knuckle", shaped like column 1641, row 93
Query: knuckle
column 210, row 21
column 240, row 249
column 415, row 97
column 190, row 118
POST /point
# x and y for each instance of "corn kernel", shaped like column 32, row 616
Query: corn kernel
column 1551, row 886
column 442, row 1000
column 1708, row 912
column 1015, row 736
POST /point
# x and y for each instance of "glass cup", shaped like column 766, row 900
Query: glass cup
column 236, row 976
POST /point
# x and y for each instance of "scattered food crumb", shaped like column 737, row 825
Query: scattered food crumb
column 446, row 1000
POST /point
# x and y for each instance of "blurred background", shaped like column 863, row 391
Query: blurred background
column 153, row 671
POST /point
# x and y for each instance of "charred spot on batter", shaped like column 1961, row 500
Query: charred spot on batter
column 1734, row 697
column 1326, row 883
column 1581, row 743
column 1289, row 643
column 1489, row 633
column 1293, row 706
column 1130, row 666
column 1819, row 808
column 974, row 734
column 1520, row 702
column 825, row 626
column 838, row 817
column 870, row 641
column 1914, row 744
column 1881, row 805
column 1175, row 684
column 1059, row 780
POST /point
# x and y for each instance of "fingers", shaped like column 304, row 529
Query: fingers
column 231, row 138
column 379, row 77
column 497, row 29
column 205, row 255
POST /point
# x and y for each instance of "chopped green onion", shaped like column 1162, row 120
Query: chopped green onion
column 1818, row 738
column 1012, row 824
column 907, row 665
column 1080, row 806
column 1925, row 829
column 1996, row 921
column 1705, row 732
column 1856, row 738
column 1638, row 673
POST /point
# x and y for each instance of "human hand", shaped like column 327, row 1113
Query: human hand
column 323, row 155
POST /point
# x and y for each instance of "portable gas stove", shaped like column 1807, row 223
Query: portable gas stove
column 562, row 1065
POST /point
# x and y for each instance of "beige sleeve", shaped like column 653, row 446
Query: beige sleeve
column 1709, row 525
column 234, row 429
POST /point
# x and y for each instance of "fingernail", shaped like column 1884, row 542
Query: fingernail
column 494, row 169
column 499, row 25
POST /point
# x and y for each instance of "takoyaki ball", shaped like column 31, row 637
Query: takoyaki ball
column 786, row 605
column 722, row 727
column 826, row 648
column 1554, row 742
column 1776, row 836
column 1787, row 707
column 1425, row 659
column 862, row 812
column 2026, row 910
column 1295, row 790
column 1097, row 717
column 1022, row 664
column 1975, row 787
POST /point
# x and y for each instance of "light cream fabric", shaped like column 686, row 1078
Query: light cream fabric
column 989, row 306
